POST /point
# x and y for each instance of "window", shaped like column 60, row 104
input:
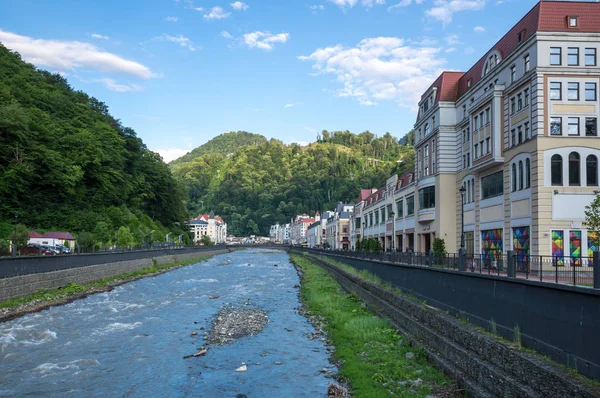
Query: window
column 468, row 159
column 487, row 116
column 468, row 134
column 475, row 155
column 574, row 169
column 591, row 165
column 481, row 121
column 527, row 133
column 591, row 127
column 389, row 212
column 573, row 56
column 512, row 137
column 520, row 134
column 573, row 125
column 399, row 209
column 464, row 111
column 513, row 73
column 426, row 173
column 514, row 177
column 556, row 170
column 427, row 198
column 492, row 185
column 590, row 57
column 519, row 102
column 481, row 147
column 573, row 91
column 512, row 105
column 433, row 122
column 376, row 217
column 487, row 145
column 555, row 55
column 526, row 63
column 555, row 126
column 410, row 206
column 572, row 22
column 590, row 91
column 475, row 120
column 427, row 129
column 526, row 95
column 520, row 175
column 555, row 91
column 527, row 173
column 464, row 161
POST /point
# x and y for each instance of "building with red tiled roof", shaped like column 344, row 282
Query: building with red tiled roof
column 52, row 239
column 209, row 224
column 518, row 132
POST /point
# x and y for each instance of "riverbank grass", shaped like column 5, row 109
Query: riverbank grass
column 92, row 287
column 375, row 360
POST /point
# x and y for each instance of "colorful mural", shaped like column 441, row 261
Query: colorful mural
column 491, row 246
column 558, row 247
column 521, row 247
column 575, row 246
column 592, row 239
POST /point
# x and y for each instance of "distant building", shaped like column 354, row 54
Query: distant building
column 211, row 225
column 356, row 220
column 338, row 227
column 52, row 239
column 299, row 227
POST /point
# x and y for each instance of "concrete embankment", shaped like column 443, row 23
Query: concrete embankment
column 482, row 363
column 20, row 286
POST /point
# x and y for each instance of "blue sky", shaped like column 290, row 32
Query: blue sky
column 183, row 71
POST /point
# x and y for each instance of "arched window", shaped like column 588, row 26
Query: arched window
column 520, row 175
column 527, row 173
column 556, row 170
column 514, row 177
column 574, row 179
column 591, row 165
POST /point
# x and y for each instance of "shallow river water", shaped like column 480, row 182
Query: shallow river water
column 130, row 342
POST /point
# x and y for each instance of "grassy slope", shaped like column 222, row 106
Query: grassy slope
column 373, row 354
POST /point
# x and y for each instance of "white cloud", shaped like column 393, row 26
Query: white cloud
column 264, row 40
column 352, row 3
column 226, row 35
column 404, row 3
column 181, row 40
column 380, row 68
column 171, row 153
column 293, row 104
column 121, row 88
column 443, row 10
column 216, row 13
column 239, row 6
column 469, row 50
column 479, row 29
column 70, row 55
column 315, row 8
column 97, row 36
column 171, row 19
column 452, row 40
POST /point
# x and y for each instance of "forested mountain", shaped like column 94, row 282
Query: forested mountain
column 223, row 144
column 67, row 164
column 260, row 185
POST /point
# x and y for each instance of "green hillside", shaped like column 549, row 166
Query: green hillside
column 260, row 185
column 223, row 144
column 67, row 164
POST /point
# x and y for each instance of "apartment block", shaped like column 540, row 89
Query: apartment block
column 519, row 131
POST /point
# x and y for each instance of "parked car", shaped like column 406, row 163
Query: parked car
column 52, row 249
column 35, row 250
column 62, row 249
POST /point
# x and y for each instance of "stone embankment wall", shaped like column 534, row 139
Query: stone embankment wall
column 20, row 286
column 481, row 363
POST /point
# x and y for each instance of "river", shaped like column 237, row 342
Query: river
column 130, row 342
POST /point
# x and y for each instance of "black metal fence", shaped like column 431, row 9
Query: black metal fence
column 552, row 269
column 26, row 265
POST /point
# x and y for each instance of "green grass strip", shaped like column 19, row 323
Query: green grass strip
column 73, row 288
column 377, row 361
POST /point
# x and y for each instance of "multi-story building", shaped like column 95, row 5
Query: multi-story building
column 337, row 228
column 298, row 228
column 389, row 214
column 356, row 227
column 519, row 131
column 211, row 225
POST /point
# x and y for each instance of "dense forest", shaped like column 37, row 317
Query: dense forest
column 268, row 182
column 67, row 164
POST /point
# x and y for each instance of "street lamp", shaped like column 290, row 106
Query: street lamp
column 461, row 251
column 462, row 191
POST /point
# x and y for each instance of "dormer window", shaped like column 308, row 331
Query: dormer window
column 572, row 21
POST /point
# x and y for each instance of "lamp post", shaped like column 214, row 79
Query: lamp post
column 14, row 246
column 461, row 251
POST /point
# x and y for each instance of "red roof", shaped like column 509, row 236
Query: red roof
column 403, row 179
column 364, row 194
column 58, row 235
column 33, row 234
column 546, row 16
